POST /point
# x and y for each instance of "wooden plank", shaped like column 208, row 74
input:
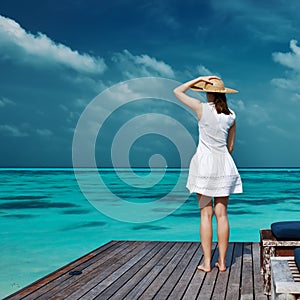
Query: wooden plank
column 127, row 279
column 247, row 279
column 101, row 286
column 52, row 276
column 197, row 280
column 209, row 280
column 62, row 282
column 233, row 290
column 222, row 279
column 87, row 289
column 186, row 277
column 80, row 280
column 175, row 277
column 146, row 275
column 130, row 270
column 168, row 264
column 257, row 276
column 178, row 267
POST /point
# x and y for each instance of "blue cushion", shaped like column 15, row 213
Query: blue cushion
column 286, row 231
column 297, row 257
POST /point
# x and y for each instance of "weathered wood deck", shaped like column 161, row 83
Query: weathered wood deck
column 153, row 270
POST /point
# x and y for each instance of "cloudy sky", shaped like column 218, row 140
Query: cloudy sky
column 57, row 56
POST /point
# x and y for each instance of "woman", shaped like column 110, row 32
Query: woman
column 212, row 171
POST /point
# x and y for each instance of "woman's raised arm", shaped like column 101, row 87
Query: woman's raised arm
column 191, row 102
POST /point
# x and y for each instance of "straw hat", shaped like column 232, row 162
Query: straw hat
column 213, row 85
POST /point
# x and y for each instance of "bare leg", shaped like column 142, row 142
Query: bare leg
column 223, row 230
column 205, row 230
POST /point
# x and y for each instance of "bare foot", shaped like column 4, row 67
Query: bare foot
column 221, row 268
column 203, row 268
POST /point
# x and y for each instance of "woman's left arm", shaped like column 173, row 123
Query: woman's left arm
column 231, row 137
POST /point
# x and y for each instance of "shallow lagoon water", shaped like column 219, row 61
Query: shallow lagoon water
column 46, row 221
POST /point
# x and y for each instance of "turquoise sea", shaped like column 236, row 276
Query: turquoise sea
column 46, row 221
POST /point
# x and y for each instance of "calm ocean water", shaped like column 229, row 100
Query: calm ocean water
column 46, row 221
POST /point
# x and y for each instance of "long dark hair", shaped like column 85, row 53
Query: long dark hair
column 220, row 102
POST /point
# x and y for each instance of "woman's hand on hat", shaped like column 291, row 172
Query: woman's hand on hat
column 185, row 86
column 207, row 78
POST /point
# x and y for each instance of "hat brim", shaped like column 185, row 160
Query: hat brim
column 224, row 91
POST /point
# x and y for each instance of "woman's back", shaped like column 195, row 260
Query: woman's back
column 213, row 129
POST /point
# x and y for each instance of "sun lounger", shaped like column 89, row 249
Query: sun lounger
column 297, row 258
column 286, row 277
column 280, row 240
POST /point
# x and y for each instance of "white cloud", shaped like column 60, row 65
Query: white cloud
column 296, row 97
column 289, row 59
column 94, row 85
column 25, row 47
column 12, row 131
column 23, row 130
column 63, row 107
column 133, row 66
column 282, row 83
column 262, row 25
column 81, row 103
column 236, row 105
column 170, row 21
column 71, row 115
column 203, row 70
column 260, row 18
column 44, row 132
column 286, row 133
column 253, row 113
column 256, row 114
column 69, row 130
column 160, row 12
column 5, row 102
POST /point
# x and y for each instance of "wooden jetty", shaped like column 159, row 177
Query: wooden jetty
column 152, row 270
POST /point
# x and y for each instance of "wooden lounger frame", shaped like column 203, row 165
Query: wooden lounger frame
column 270, row 247
column 285, row 278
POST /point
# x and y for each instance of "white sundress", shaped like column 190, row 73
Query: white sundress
column 212, row 171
